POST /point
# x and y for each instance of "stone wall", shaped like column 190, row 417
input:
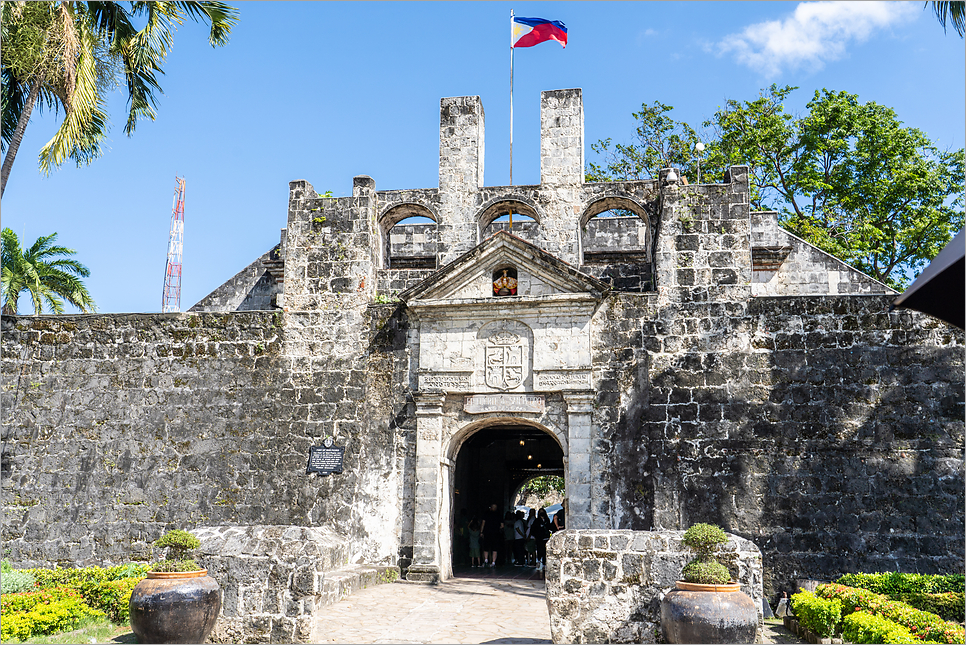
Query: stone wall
column 786, row 265
column 412, row 246
column 824, row 428
column 275, row 579
column 254, row 288
column 118, row 428
column 607, row 586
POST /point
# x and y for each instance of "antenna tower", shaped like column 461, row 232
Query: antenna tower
column 171, row 301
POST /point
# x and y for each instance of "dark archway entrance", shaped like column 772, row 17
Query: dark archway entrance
column 491, row 466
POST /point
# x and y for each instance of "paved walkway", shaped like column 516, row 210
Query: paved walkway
column 506, row 605
column 459, row 610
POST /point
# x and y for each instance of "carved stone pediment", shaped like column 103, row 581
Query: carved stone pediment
column 470, row 277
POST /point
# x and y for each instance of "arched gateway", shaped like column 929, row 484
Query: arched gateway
column 513, row 366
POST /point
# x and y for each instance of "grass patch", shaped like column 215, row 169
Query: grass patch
column 96, row 631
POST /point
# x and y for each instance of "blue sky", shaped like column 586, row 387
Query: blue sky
column 326, row 91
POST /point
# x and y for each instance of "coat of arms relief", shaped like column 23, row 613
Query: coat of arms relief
column 505, row 363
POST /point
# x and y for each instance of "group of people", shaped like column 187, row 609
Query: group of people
column 521, row 537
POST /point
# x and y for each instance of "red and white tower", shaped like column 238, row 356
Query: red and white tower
column 171, row 300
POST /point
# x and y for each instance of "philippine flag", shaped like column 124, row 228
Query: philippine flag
column 528, row 32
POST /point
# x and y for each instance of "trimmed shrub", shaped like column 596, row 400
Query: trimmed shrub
column 894, row 584
column 112, row 597
column 23, row 602
column 77, row 577
column 704, row 540
column 46, row 618
column 923, row 625
column 861, row 627
column 706, row 573
column 948, row 606
column 819, row 615
column 16, row 582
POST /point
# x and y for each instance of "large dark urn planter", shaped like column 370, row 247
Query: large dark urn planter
column 695, row 613
column 175, row 607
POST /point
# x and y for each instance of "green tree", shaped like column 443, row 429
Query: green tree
column 43, row 273
column 847, row 177
column 954, row 12
column 661, row 142
column 69, row 55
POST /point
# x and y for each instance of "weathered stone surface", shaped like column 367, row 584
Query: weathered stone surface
column 606, row 586
column 275, row 578
column 813, row 422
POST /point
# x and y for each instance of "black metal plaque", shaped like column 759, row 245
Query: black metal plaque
column 325, row 460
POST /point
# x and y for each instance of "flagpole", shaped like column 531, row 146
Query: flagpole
column 511, row 110
column 511, row 97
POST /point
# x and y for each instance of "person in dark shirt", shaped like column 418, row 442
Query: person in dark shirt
column 492, row 531
column 541, row 532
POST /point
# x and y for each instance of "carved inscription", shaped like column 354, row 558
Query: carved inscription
column 504, row 361
column 444, row 381
column 480, row 403
column 547, row 380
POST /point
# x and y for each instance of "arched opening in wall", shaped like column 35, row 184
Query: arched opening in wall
column 615, row 243
column 491, row 467
column 496, row 218
column 542, row 491
column 410, row 237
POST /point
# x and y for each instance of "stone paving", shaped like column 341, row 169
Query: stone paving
column 507, row 605
column 459, row 610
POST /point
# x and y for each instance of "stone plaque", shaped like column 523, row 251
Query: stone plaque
column 325, row 459
column 480, row 403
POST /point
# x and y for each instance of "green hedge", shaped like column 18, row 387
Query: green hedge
column 819, row 615
column 112, row 597
column 46, row 618
column 66, row 597
column 895, row 584
column 948, row 606
column 861, row 627
column 923, row 625
column 77, row 577
column 21, row 602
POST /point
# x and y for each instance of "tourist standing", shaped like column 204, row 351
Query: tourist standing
column 474, row 536
column 531, row 546
column 519, row 538
column 492, row 532
column 508, row 520
column 560, row 518
column 541, row 532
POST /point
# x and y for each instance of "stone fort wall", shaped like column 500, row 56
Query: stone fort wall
column 821, row 427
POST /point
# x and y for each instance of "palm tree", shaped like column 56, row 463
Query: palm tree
column 48, row 280
column 71, row 54
column 954, row 12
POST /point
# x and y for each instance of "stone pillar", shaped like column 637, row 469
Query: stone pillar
column 562, row 171
column 561, row 137
column 426, row 525
column 460, row 174
column 580, row 408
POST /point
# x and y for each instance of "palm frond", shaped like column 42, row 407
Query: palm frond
column 954, row 12
column 50, row 282
column 222, row 17
column 85, row 121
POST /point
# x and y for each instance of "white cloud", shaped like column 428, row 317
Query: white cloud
column 817, row 32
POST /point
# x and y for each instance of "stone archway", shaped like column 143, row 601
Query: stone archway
column 489, row 464
column 442, row 431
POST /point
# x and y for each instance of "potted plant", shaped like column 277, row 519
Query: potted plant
column 707, row 606
column 178, row 602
